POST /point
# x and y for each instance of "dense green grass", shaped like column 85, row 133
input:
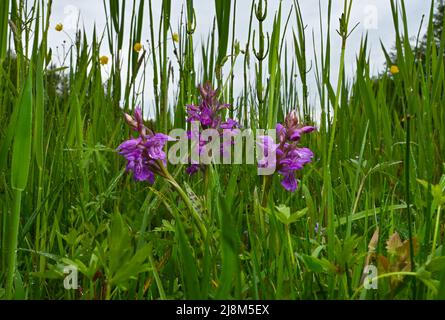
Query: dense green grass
column 66, row 200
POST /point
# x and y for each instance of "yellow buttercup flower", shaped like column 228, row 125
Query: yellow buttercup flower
column 59, row 27
column 394, row 69
column 175, row 37
column 137, row 47
column 103, row 60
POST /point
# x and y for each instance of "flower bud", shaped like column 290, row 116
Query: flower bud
column 130, row 121
column 175, row 37
column 138, row 47
column 103, row 60
column 237, row 48
column 291, row 120
column 138, row 116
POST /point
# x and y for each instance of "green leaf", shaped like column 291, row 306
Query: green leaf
column 316, row 265
column 191, row 279
column 283, row 214
column 437, row 264
column 21, row 153
column 120, row 243
column 4, row 10
column 426, row 277
column 223, row 8
column 370, row 213
column 132, row 267
column 39, row 113
column 19, row 292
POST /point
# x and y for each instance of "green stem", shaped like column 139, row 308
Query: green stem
column 144, row 225
column 291, row 250
column 436, row 232
column 408, row 200
column 108, row 292
column 186, row 199
column 40, row 217
column 386, row 275
column 327, row 181
column 267, row 182
column 12, row 244
column 189, row 205
column 157, row 278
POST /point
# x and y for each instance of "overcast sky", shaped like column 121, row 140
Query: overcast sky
column 374, row 17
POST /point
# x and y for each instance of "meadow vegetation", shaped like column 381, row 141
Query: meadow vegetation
column 373, row 195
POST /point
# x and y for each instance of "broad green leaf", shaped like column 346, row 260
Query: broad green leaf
column 317, row 265
column 21, row 153
column 188, row 263
column 283, row 214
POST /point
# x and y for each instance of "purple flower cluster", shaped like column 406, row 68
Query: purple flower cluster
column 208, row 115
column 144, row 154
column 289, row 157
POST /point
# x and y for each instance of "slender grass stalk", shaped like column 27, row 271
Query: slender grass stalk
column 157, row 278
column 233, row 56
column 436, row 232
column 164, row 110
column 246, row 67
column 155, row 62
column 387, row 275
column 186, row 200
column 12, row 243
column 408, row 200
column 261, row 54
column 4, row 9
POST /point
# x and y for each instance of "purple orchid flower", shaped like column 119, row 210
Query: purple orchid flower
column 144, row 152
column 289, row 157
column 207, row 113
